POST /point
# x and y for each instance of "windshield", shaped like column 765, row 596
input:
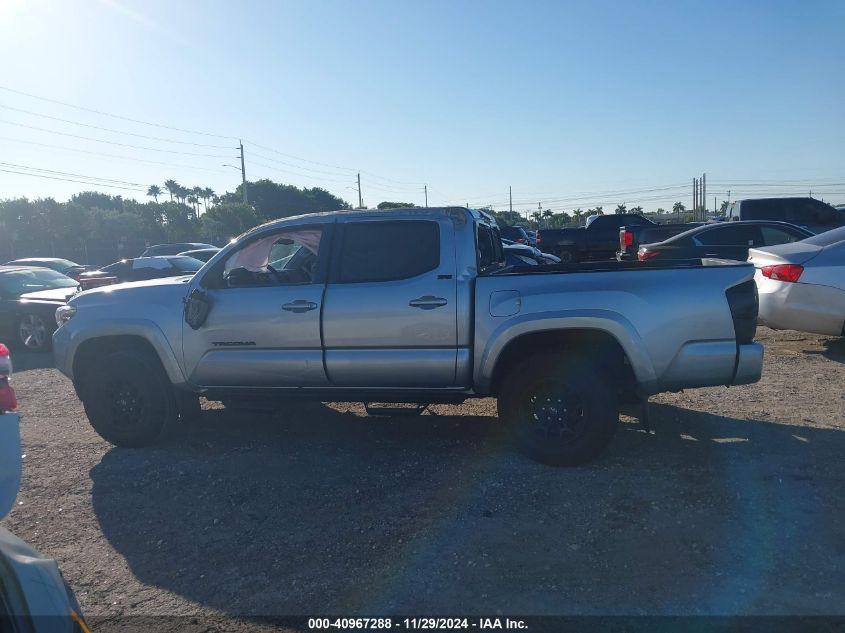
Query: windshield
column 186, row 264
column 18, row 282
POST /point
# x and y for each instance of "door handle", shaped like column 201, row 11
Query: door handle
column 427, row 302
column 300, row 305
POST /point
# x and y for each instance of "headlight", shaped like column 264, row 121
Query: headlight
column 64, row 314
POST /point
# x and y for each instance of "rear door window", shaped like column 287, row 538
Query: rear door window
column 387, row 251
column 730, row 235
column 772, row 235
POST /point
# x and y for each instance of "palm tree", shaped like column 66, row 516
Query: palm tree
column 182, row 193
column 194, row 202
column 621, row 209
column 636, row 209
column 207, row 194
column 173, row 187
column 537, row 216
column 154, row 191
column 678, row 207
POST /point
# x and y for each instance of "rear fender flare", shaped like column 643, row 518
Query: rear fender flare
column 606, row 321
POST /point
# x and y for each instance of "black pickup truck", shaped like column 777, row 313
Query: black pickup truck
column 632, row 236
column 600, row 238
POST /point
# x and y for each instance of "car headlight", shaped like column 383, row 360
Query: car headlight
column 64, row 314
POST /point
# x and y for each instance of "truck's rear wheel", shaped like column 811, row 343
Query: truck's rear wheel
column 559, row 409
column 127, row 397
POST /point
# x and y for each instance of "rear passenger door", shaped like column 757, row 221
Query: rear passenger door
column 389, row 317
column 728, row 241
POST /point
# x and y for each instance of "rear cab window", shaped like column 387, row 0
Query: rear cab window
column 491, row 255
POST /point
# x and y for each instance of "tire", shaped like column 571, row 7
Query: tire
column 33, row 333
column 559, row 409
column 127, row 397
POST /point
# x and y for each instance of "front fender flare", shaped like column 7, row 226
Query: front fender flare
column 606, row 321
column 142, row 328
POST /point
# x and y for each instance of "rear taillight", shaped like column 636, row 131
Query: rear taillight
column 744, row 304
column 538, row 238
column 783, row 272
column 626, row 239
column 644, row 254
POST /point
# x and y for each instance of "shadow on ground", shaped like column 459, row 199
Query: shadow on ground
column 23, row 360
column 834, row 349
column 316, row 511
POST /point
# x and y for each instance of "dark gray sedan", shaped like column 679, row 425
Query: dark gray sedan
column 723, row 240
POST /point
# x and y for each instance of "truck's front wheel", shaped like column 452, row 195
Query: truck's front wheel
column 559, row 409
column 127, row 398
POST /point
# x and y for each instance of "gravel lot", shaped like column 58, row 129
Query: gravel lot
column 733, row 506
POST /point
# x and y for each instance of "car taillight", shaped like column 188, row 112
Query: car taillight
column 783, row 272
column 644, row 254
column 538, row 238
column 626, row 239
column 520, row 240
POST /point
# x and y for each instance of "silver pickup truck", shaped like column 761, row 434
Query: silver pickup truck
column 408, row 306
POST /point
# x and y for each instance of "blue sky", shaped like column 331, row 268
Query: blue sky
column 571, row 103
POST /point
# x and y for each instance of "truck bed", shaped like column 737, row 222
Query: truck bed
column 673, row 319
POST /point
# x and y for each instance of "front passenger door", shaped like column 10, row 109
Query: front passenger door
column 263, row 326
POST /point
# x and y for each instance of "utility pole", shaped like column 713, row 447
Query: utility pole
column 703, row 196
column 243, row 172
column 510, row 195
column 425, row 189
column 694, row 194
column 360, row 199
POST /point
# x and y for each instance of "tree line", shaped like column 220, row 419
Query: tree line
column 98, row 228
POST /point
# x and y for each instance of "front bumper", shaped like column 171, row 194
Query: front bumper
column 61, row 351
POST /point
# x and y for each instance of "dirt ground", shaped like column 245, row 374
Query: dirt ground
column 733, row 506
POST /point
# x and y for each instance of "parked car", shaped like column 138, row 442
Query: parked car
column 139, row 269
column 33, row 594
column 801, row 285
column 202, row 254
column 64, row 266
column 725, row 240
column 408, row 305
column 812, row 214
column 174, row 249
column 515, row 234
column 29, row 297
column 531, row 252
column 598, row 240
column 631, row 237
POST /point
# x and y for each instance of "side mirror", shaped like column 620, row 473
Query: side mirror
column 197, row 307
column 239, row 278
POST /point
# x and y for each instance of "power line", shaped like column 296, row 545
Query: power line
column 350, row 170
column 119, row 157
column 114, row 116
column 64, row 173
column 84, row 182
column 106, row 129
column 97, row 140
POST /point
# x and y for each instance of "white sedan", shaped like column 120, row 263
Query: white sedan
column 801, row 285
